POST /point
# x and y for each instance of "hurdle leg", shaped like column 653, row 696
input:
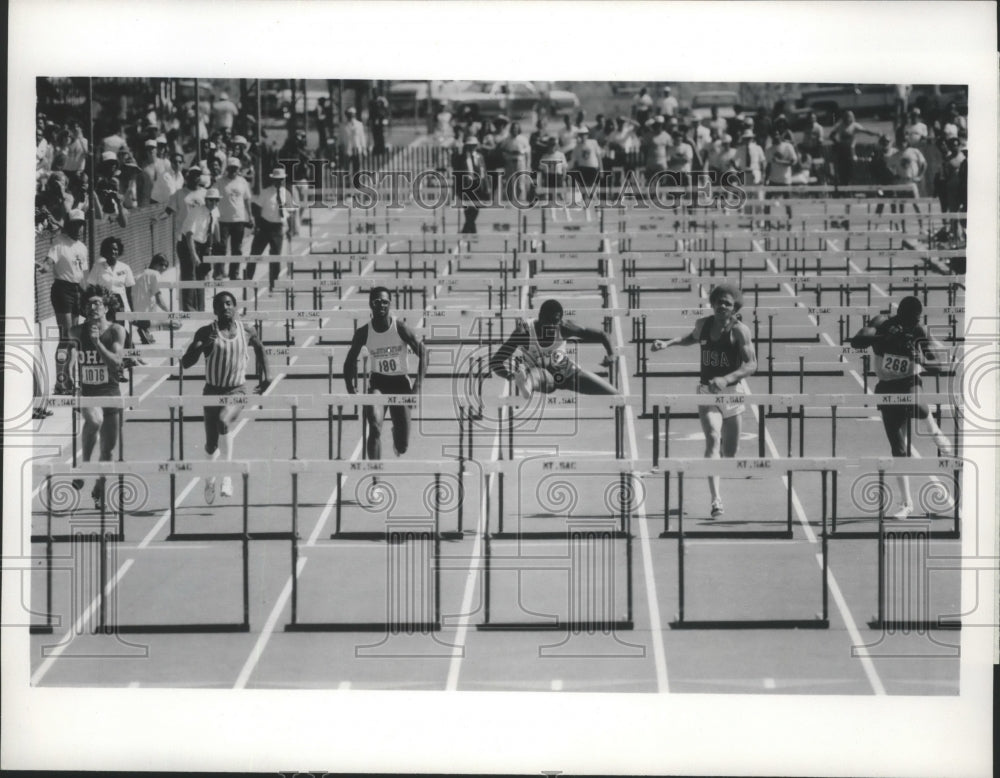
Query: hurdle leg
column 680, row 548
column 295, row 546
column 825, row 551
column 102, row 618
column 656, row 435
column 246, row 552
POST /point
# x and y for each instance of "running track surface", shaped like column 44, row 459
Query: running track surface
column 159, row 580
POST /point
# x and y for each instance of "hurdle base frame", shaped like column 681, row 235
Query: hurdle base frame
column 814, row 623
column 406, row 627
column 557, row 626
column 915, row 625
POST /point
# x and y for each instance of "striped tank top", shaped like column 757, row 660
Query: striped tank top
column 226, row 366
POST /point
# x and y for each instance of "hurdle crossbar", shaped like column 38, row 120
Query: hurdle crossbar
column 820, row 620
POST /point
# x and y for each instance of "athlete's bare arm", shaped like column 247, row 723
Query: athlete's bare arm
column 407, row 336
column 204, row 340
column 587, row 335
column 498, row 362
column 685, row 340
column 264, row 377
column 351, row 362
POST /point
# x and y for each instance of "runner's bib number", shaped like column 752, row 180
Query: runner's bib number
column 896, row 366
column 94, row 374
column 386, row 366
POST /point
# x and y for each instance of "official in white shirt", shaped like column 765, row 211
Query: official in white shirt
column 271, row 211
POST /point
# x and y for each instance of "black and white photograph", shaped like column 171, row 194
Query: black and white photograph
column 389, row 384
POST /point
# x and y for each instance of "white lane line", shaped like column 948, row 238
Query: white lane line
column 866, row 662
column 143, row 544
column 655, row 625
column 343, row 686
column 458, row 652
column 556, row 685
column 769, row 683
column 258, row 647
column 852, row 629
column 77, row 627
column 279, row 606
column 330, row 503
column 133, row 685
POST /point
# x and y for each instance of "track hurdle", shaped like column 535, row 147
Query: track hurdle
column 749, row 468
column 106, row 625
column 626, row 470
column 892, row 543
column 558, row 405
column 432, row 535
column 253, row 405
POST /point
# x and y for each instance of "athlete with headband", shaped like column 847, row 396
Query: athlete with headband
column 225, row 344
column 902, row 348
column 727, row 358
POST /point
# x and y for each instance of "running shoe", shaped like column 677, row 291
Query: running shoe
column 717, row 509
column 210, row 490
column 903, row 512
column 227, row 486
column 523, row 382
column 943, row 444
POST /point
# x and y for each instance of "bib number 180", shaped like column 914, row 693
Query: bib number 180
column 387, row 366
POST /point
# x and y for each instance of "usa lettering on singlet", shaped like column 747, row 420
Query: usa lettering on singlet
column 896, row 358
column 553, row 356
column 387, row 351
column 226, row 365
column 718, row 357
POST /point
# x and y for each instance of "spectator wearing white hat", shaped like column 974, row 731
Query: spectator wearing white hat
column 780, row 158
column 150, row 172
column 668, row 103
column 642, row 106
column 107, row 188
column 68, row 259
column 585, row 161
column 115, row 141
column 234, row 215
column 915, row 130
column 77, row 150
column 750, row 158
column 201, row 235
column 567, row 136
column 353, row 143
column 170, row 180
column 179, row 205
column 224, row 111
column 656, row 144
column 516, row 163
column 472, row 184
column 908, row 165
column 239, row 148
column 722, row 156
column 844, row 136
column 682, row 155
column 272, row 210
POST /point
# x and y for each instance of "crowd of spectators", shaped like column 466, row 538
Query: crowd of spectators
column 773, row 145
column 140, row 158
